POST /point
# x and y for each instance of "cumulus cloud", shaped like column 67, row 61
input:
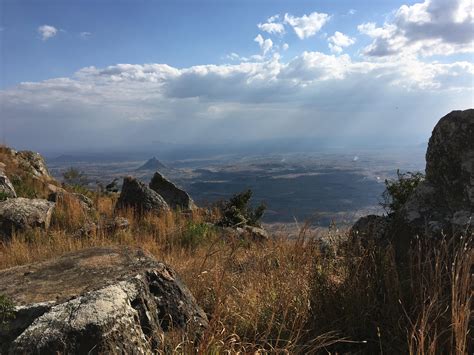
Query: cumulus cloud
column 46, row 32
column 265, row 44
column 272, row 26
column 432, row 27
column 338, row 41
column 311, row 95
column 306, row 25
column 285, row 46
column 85, row 35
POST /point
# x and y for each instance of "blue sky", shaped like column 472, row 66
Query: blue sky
column 194, row 71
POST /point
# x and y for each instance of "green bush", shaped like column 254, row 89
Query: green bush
column 237, row 211
column 195, row 234
column 7, row 310
column 74, row 177
column 398, row 191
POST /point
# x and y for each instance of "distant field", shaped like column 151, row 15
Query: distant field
column 320, row 187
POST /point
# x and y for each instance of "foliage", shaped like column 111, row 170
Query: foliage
column 398, row 191
column 237, row 211
column 25, row 186
column 195, row 234
column 7, row 310
column 75, row 177
column 3, row 196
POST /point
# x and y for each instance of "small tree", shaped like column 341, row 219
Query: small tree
column 237, row 212
column 74, row 177
column 7, row 310
column 398, row 191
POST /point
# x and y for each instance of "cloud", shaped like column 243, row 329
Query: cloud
column 338, row 41
column 313, row 94
column 285, row 46
column 306, row 25
column 432, row 27
column 85, row 35
column 46, row 32
column 265, row 44
column 271, row 26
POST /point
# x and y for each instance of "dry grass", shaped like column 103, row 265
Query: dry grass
column 287, row 296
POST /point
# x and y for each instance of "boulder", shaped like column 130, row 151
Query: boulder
column 6, row 188
column 85, row 202
column 444, row 201
column 173, row 195
column 140, row 197
column 33, row 163
column 116, row 224
column 371, row 227
column 450, row 160
column 96, row 301
column 256, row 234
column 19, row 214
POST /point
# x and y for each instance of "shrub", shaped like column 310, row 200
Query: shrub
column 7, row 309
column 237, row 212
column 195, row 234
column 398, row 191
column 74, row 177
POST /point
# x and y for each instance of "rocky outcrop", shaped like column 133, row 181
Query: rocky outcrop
column 85, row 202
column 96, row 301
column 6, row 188
column 173, row 195
column 20, row 214
column 140, row 197
column 444, row 201
column 33, row 163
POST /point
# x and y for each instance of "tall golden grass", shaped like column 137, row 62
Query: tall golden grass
column 286, row 296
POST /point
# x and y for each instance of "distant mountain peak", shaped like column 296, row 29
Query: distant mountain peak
column 152, row 164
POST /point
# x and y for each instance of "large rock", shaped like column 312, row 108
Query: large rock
column 140, row 197
column 96, row 301
column 34, row 163
column 6, row 188
column 450, row 160
column 444, row 201
column 19, row 214
column 173, row 195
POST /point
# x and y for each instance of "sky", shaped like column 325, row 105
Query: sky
column 103, row 75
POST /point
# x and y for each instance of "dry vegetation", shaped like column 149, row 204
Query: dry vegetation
column 286, row 296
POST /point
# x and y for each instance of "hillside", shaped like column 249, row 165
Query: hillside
column 148, row 270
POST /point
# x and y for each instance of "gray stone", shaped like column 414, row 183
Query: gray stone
column 33, row 163
column 173, row 195
column 450, row 160
column 140, row 197
column 371, row 227
column 6, row 188
column 96, row 301
column 444, row 201
column 19, row 214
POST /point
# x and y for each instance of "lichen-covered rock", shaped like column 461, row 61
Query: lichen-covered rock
column 371, row 227
column 140, row 197
column 444, row 201
column 96, row 301
column 6, row 188
column 19, row 214
column 173, row 195
column 450, row 160
column 60, row 195
column 257, row 234
column 34, row 163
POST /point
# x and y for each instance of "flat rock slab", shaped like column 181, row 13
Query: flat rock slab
column 98, row 300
